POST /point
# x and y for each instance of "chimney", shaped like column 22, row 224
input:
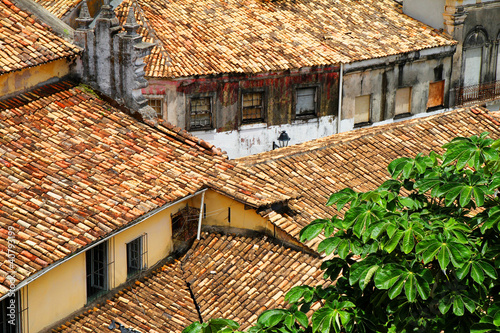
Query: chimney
column 112, row 60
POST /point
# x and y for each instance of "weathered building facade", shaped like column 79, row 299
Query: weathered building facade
column 395, row 87
column 237, row 76
column 475, row 25
column 245, row 113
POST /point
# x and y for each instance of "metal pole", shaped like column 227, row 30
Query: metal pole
column 201, row 215
column 341, row 84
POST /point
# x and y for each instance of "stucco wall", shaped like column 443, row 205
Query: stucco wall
column 19, row 81
column 279, row 91
column 428, row 11
column 64, row 287
column 217, row 213
column 487, row 18
column 57, row 294
column 382, row 84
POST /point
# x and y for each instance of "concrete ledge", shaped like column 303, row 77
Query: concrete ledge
column 59, row 27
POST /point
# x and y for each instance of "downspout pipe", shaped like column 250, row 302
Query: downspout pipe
column 201, row 215
column 341, row 85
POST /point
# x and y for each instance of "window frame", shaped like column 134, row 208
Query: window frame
column 404, row 114
column 92, row 276
column 364, row 123
column 162, row 104
column 263, row 109
column 317, row 95
column 476, row 39
column 497, row 65
column 440, row 106
column 211, row 97
column 142, row 252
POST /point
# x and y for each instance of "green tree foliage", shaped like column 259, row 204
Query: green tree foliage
column 421, row 253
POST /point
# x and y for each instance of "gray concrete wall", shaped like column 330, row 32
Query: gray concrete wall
column 381, row 83
column 428, row 11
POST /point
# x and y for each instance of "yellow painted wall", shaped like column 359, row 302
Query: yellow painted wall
column 62, row 291
column 57, row 294
column 25, row 79
column 159, row 237
column 217, row 212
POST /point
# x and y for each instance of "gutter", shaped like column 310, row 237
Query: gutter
column 341, row 85
column 38, row 274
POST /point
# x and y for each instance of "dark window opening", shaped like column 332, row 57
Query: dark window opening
column 136, row 256
column 184, row 227
column 97, row 271
column 200, row 115
column 252, row 107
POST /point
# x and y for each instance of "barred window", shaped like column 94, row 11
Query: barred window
column 252, row 107
column 200, row 115
column 436, row 94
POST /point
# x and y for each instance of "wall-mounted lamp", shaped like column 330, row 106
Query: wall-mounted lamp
column 282, row 140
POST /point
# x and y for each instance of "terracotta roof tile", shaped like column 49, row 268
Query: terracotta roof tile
column 160, row 302
column 357, row 159
column 73, row 169
column 60, row 8
column 233, row 277
column 25, row 43
column 252, row 36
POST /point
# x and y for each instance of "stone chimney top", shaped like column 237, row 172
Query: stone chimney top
column 112, row 61
column 131, row 25
column 84, row 19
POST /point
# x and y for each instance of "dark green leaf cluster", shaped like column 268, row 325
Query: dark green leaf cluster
column 418, row 254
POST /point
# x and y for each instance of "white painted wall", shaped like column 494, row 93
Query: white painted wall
column 258, row 138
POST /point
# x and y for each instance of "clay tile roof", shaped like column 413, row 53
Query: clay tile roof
column 233, row 277
column 60, row 8
column 252, row 36
column 160, row 302
column 25, row 42
column 357, row 159
column 73, row 169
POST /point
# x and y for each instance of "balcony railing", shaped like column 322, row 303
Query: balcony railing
column 478, row 94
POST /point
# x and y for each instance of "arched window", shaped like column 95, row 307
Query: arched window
column 473, row 54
